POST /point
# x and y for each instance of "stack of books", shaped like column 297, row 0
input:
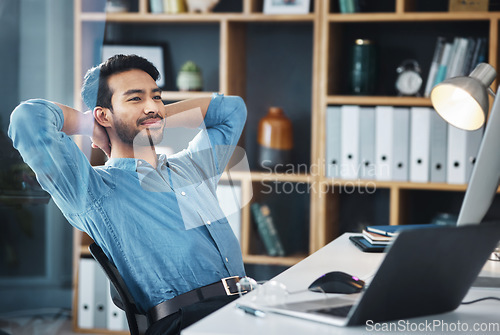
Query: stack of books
column 377, row 238
column 457, row 57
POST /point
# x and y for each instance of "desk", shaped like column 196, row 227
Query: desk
column 342, row 255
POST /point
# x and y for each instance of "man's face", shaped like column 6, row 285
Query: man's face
column 138, row 112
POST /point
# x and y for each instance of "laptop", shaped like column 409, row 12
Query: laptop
column 426, row 271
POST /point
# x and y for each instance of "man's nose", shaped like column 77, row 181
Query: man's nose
column 151, row 107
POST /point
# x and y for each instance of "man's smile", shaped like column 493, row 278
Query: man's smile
column 152, row 122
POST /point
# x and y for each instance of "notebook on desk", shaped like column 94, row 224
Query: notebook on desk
column 426, row 271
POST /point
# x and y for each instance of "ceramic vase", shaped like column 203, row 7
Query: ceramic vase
column 275, row 139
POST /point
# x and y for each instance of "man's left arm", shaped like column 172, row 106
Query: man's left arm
column 222, row 126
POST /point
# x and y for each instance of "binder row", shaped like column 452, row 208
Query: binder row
column 390, row 143
column 95, row 307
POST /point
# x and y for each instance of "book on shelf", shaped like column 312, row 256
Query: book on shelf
column 349, row 6
column 267, row 229
column 457, row 57
column 433, row 69
column 156, row 6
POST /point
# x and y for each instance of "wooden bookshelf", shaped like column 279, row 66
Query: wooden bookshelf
column 328, row 29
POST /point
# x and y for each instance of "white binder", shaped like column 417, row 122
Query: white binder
column 401, row 143
column 439, row 148
column 115, row 317
column 100, row 300
column 349, row 146
column 384, row 142
column 332, row 131
column 367, row 143
column 463, row 146
column 420, row 144
column 473, row 143
column 86, row 293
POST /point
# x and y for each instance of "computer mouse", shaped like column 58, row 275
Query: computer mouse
column 337, row 282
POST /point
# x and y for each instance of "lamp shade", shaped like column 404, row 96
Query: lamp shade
column 463, row 101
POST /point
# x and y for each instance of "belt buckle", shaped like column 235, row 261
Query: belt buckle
column 226, row 284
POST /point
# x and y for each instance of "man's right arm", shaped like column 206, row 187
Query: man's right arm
column 37, row 130
column 78, row 123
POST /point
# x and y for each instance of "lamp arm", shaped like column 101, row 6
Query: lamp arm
column 490, row 92
column 485, row 175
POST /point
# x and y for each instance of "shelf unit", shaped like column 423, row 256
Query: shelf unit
column 325, row 35
column 405, row 12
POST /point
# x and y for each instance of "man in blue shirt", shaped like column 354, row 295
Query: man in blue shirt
column 156, row 217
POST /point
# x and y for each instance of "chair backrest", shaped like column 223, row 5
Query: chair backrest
column 124, row 300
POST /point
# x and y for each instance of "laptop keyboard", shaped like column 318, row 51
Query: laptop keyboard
column 334, row 311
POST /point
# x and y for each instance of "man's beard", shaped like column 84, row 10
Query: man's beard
column 133, row 136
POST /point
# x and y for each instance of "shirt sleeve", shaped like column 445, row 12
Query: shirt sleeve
column 60, row 166
column 212, row 148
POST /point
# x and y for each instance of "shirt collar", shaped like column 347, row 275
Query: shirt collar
column 131, row 164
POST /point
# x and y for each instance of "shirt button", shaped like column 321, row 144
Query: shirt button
column 227, row 260
column 183, row 193
column 208, row 222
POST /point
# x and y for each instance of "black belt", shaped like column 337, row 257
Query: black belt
column 226, row 286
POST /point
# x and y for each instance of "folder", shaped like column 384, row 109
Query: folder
column 349, row 143
column 367, row 143
column 420, row 144
column 473, row 143
column 332, row 131
column 384, row 121
column 401, row 143
column 438, row 148
column 86, row 293
column 100, row 300
column 463, row 146
column 115, row 317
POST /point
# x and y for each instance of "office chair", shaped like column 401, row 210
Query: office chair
column 137, row 322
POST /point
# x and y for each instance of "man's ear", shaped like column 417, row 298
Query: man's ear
column 103, row 116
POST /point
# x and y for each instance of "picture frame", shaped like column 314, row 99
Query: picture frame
column 286, row 6
column 153, row 53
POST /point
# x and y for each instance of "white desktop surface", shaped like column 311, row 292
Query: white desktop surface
column 342, row 255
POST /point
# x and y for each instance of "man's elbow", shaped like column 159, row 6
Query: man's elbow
column 26, row 120
column 240, row 108
column 20, row 117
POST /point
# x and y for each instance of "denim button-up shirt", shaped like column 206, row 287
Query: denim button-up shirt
column 163, row 228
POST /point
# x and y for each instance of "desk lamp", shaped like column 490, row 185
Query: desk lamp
column 463, row 102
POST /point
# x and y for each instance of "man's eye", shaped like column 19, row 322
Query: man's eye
column 157, row 97
column 134, row 99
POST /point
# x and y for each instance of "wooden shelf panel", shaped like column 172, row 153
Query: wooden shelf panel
column 397, row 185
column 178, row 95
column 413, row 16
column 100, row 331
column 84, row 250
column 193, row 18
column 263, row 259
column 377, row 100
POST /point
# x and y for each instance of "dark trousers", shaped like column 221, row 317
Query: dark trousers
column 174, row 323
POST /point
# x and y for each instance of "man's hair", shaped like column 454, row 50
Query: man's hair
column 95, row 89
